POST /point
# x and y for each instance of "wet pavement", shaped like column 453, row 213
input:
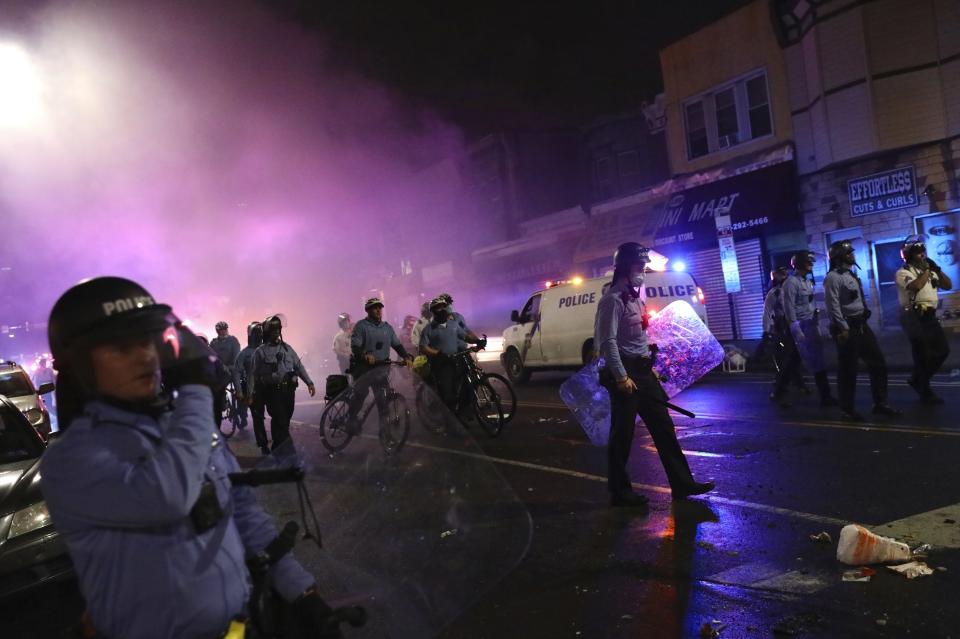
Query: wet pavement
column 740, row 557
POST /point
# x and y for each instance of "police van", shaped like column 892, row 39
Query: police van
column 555, row 327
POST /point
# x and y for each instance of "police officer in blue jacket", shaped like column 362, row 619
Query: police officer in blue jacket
column 621, row 337
column 371, row 342
column 243, row 385
column 138, row 483
column 457, row 317
column 440, row 340
column 274, row 370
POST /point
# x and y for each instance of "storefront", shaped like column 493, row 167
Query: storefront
column 876, row 203
column 763, row 224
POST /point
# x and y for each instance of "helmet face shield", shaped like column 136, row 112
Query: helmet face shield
column 912, row 246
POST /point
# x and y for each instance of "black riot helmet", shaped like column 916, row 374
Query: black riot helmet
column 100, row 310
column 842, row 254
column 272, row 328
column 912, row 245
column 802, row 259
column 628, row 254
column 254, row 334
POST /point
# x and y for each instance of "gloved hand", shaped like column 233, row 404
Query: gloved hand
column 185, row 359
column 933, row 266
column 482, row 343
column 315, row 616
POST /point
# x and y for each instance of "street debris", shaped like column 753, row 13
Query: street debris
column 949, row 521
column 882, row 621
column 823, row 537
column 448, row 533
column 941, row 569
column 551, row 420
column 626, row 617
column 912, row 569
column 858, row 546
column 712, row 630
column 796, row 624
column 861, row 574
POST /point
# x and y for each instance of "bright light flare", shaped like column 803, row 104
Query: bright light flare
column 658, row 261
column 680, row 266
column 576, row 280
column 20, row 87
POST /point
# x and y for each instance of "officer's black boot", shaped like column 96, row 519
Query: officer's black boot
column 823, row 388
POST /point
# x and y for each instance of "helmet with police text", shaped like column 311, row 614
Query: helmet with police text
column 438, row 303
column 912, row 246
column 778, row 274
column 630, row 253
column 343, row 320
column 254, row 334
column 221, row 326
column 102, row 310
column 842, row 252
column 447, row 297
column 803, row 258
column 373, row 302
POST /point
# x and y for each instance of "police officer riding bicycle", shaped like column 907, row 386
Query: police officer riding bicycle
column 440, row 340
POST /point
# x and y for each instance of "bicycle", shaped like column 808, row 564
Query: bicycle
column 337, row 428
column 490, row 396
column 230, row 418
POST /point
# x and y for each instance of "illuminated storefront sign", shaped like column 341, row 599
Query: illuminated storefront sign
column 887, row 191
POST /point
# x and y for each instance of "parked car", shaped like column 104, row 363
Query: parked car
column 31, row 551
column 554, row 330
column 16, row 385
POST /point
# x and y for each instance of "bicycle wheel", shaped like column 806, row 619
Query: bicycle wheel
column 394, row 424
column 333, row 425
column 431, row 410
column 504, row 390
column 227, row 424
column 487, row 407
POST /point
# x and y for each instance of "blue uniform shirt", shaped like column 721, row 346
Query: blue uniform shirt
column 797, row 298
column 376, row 339
column 227, row 348
column 618, row 328
column 448, row 338
column 272, row 363
column 120, row 487
column 457, row 318
column 241, row 370
column 842, row 296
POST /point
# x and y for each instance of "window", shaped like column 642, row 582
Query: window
column 727, row 116
column 603, row 178
column 628, row 163
column 531, row 310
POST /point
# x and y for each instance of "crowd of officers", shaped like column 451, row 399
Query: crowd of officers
column 791, row 324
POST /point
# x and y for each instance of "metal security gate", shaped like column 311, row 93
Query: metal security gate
column 747, row 304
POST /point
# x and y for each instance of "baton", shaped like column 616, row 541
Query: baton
column 663, row 402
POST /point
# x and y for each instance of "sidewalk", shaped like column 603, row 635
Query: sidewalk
column 893, row 343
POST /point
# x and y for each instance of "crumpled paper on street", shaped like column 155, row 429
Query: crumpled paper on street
column 912, row 569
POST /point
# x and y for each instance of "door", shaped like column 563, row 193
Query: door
column 887, row 262
column 527, row 332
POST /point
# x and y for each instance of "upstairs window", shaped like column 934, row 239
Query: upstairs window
column 728, row 115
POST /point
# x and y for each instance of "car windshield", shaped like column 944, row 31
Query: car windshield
column 18, row 440
column 15, row 384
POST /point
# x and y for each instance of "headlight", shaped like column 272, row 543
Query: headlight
column 28, row 519
column 34, row 415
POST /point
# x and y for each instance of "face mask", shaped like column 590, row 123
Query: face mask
column 636, row 279
column 440, row 316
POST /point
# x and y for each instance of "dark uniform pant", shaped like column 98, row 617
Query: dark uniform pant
column 367, row 377
column 278, row 402
column 446, row 374
column 791, row 366
column 861, row 344
column 623, row 415
column 928, row 344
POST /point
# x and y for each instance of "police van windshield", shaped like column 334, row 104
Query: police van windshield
column 15, row 384
column 17, row 442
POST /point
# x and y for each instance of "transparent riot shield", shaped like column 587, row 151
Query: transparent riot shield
column 413, row 531
column 686, row 351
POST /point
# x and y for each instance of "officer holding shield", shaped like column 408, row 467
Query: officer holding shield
column 621, row 337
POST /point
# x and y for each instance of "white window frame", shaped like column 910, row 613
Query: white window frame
column 739, row 85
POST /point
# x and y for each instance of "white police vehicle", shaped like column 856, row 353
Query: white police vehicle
column 555, row 327
column 17, row 386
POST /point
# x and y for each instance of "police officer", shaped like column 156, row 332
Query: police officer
column 341, row 342
column 227, row 347
column 620, row 328
column 917, row 284
column 274, row 369
column 802, row 318
column 843, row 294
column 370, row 344
column 425, row 316
column 776, row 334
column 243, row 385
column 440, row 340
column 137, row 485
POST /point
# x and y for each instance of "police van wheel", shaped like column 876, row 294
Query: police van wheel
column 334, row 424
column 516, row 371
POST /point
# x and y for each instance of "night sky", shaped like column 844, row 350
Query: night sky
column 496, row 64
